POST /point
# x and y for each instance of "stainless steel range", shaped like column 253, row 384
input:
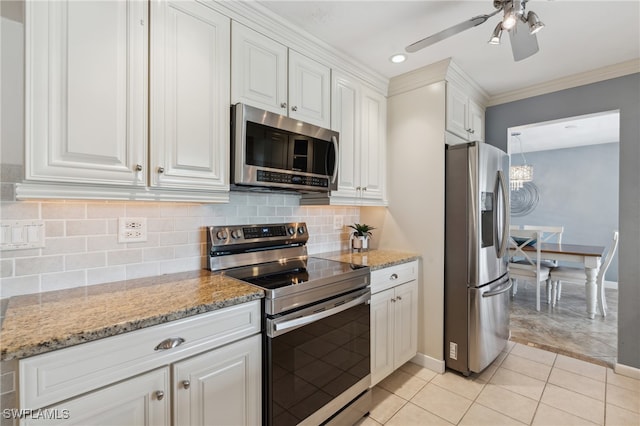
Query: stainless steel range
column 316, row 323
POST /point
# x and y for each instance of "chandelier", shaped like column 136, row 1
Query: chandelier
column 519, row 175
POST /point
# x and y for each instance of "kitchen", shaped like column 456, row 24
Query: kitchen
column 82, row 247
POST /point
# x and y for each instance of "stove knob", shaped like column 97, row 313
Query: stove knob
column 235, row 234
column 222, row 235
column 301, row 230
column 291, row 230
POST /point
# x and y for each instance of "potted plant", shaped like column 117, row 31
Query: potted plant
column 360, row 236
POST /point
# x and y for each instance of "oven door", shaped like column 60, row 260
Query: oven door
column 317, row 359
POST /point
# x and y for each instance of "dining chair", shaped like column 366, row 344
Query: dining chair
column 548, row 234
column 577, row 275
column 528, row 267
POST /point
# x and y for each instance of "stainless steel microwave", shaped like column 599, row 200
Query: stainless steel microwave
column 271, row 150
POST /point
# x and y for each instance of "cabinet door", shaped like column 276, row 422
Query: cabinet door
column 456, row 116
column 373, row 145
column 309, row 90
column 190, row 50
column 345, row 119
column 142, row 400
column 382, row 329
column 476, row 121
column 259, row 70
column 220, row 387
column 86, row 91
column 406, row 323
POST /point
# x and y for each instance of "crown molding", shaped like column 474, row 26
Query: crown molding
column 424, row 76
column 580, row 79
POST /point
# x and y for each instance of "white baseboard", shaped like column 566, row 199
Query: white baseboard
column 428, row 362
column 625, row 370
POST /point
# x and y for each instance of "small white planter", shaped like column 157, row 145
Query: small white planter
column 359, row 242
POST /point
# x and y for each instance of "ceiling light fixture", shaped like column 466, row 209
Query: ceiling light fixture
column 398, row 58
column 535, row 24
column 497, row 33
column 513, row 11
column 509, row 20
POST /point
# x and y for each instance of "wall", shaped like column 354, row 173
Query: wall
column 568, row 180
column 82, row 248
column 618, row 93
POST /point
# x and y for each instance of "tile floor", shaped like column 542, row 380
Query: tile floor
column 523, row 386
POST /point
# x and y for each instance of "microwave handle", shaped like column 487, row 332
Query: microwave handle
column 335, row 168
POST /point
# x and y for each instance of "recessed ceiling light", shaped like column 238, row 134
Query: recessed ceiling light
column 398, row 58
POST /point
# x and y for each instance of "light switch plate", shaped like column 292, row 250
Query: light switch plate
column 21, row 234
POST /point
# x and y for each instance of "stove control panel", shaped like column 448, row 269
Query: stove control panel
column 246, row 236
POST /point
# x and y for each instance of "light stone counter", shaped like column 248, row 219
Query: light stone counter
column 374, row 259
column 38, row 323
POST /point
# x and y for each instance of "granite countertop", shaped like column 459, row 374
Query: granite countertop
column 38, row 323
column 374, row 259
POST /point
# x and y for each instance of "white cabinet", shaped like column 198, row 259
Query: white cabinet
column 464, row 116
column 142, row 400
column 86, row 92
column 207, row 367
column 359, row 114
column 268, row 75
column 94, row 88
column 190, row 54
column 394, row 318
column 220, row 387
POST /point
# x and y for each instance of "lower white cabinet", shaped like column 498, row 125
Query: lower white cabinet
column 394, row 318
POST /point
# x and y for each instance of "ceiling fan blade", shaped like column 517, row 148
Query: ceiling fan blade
column 523, row 43
column 434, row 38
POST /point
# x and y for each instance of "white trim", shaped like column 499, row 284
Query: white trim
column 625, row 370
column 580, row 79
column 426, row 361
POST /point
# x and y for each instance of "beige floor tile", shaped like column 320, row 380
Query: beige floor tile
column 616, row 416
column 527, row 367
column 385, row 404
column 574, row 403
column 443, row 403
column 533, row 354
column 486, row 374
column 508, row 403
column 467, row 387
column 518, row 383
column 624, row 398
column 622, row 381
column 402, row 384
column 593, row 371
column 578, row 383
column 412, row 415
column 367, row 421
column 479, row 415
column 418, row 371
column 550, row 416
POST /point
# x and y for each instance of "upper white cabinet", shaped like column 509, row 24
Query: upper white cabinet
column 93, row 86
column 464, row 116
column 268, row 75
column 190, row 54
column 86, row 92
column 359, row 114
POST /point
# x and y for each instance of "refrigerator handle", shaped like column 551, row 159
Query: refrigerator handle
column 502, row 186
column 504, row 289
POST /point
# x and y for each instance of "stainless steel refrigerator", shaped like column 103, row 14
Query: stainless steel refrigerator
column 476, row 292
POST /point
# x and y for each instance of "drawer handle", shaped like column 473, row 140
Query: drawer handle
column 394, row 276
column 186, row 384
column 169, row 343
column 159, row 395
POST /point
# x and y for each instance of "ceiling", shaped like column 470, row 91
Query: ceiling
column 579, row 36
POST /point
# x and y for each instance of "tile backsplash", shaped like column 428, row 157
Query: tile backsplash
column 81, row 242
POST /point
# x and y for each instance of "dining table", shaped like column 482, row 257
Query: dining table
column 590, row 257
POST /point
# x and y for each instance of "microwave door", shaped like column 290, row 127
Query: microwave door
column 300, row 154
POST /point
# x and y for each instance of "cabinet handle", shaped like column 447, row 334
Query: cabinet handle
column 169, row 343
column 160, row 169
column 393, row 300
column 472, row 131
column 399, row 298
column 186, row 384
column 294, row 108
column 358, row 188
column 394, row 276
column 364, row 188
column 283, row 105
column 138, row 167
column 160, row 395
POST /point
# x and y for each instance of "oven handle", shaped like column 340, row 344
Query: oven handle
column 283, row 327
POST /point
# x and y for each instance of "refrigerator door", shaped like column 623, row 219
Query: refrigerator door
column 488, row 322
column 488, row 218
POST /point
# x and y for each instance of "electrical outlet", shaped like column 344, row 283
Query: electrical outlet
column 338, row 222
column 132, row 229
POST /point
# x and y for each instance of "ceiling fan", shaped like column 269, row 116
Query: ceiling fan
column 521, row 25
